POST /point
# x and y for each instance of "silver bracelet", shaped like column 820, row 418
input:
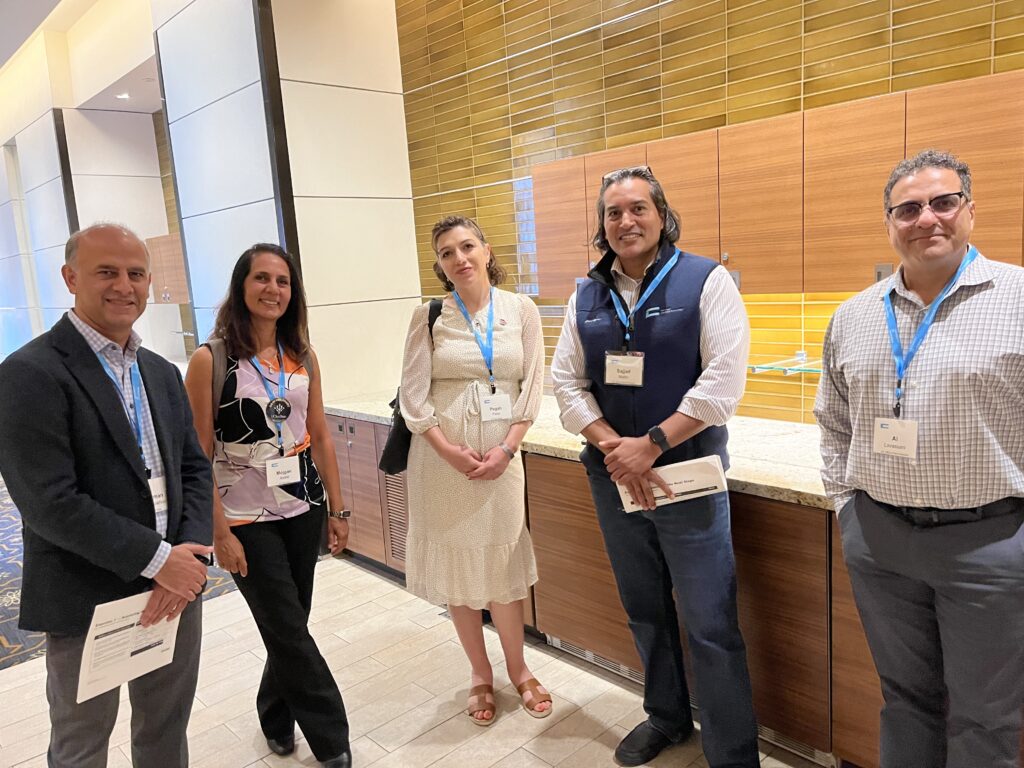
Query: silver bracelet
column 508, row 451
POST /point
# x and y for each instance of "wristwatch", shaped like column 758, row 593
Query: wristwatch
column 341, row 514
column 657, row 435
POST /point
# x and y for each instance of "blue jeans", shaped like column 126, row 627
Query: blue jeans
column 686, row 546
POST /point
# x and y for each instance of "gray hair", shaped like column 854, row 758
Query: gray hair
column 71, row 247
column 670, row 229
column 929, row 158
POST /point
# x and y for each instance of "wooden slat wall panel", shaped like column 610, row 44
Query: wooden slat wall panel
column 687, row 168
column 843, row 257
column 761, row 197
column 561, row 224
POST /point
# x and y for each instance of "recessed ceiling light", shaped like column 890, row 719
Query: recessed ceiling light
column 149, row 79
column 122, row 96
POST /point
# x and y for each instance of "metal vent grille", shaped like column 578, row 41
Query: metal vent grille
column 601, row 661
column 398, row 514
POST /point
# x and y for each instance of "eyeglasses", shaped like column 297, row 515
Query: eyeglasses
column 944, row 207
column 643, row 171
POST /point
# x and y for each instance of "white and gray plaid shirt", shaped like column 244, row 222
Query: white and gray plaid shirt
column 965, row 389
column 120, row 362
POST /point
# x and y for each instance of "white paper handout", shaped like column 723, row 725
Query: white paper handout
column 119, row 649
column 687, row 479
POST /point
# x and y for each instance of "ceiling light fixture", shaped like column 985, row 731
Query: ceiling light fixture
column 122, row 96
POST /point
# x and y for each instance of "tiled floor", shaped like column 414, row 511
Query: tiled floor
column 404, row 679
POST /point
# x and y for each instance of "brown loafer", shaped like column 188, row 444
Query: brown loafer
column 481, row 704
column 532, row 687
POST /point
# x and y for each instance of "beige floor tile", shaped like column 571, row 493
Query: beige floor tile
column 398, row 597
column 521, row 759
column 26, row 749
column 780, row 758
column 385, row 709
column 572, row 733
column 354, row 673
column 416, row 644
column 431, row 746
column 244, row 679
column 417, row 721
column 222, row 669
column 222, row 711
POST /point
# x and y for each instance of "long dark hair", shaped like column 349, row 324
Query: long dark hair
column 234, row 324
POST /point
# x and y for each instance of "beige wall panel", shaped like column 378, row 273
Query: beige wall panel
column 342, row 42
column 360, row 345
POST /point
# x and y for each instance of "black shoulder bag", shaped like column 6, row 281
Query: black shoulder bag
column 395, row 457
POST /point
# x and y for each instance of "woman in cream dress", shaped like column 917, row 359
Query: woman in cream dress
column 468, row 546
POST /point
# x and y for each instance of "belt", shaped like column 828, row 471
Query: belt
column 930, row 517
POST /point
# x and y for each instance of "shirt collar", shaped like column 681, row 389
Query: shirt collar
column 978, row 272
column 99, row 343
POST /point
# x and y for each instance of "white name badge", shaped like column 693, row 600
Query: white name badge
column 496, row 407
column 896, row 437
column 624, row 368
column 283, row 471
column 158, row 490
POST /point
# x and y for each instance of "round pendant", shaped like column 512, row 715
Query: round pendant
column 278, row 410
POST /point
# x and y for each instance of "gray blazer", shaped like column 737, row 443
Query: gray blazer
column 72, row 465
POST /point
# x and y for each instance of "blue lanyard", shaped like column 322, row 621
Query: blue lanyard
column 903, row 360
column 620, row 310
column 280, row 389
column 486, row 347
column 134, row 419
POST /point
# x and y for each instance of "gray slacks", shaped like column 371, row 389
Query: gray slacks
column 943, row 611
column 161, row 704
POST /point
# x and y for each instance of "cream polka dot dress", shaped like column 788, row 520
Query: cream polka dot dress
column 467, row 542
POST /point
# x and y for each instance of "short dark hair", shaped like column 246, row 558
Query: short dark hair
column 670, row 229
column 928, row 158
column 495, row 272
column 234, row 324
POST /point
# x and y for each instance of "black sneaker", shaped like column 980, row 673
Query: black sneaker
column 643, row 744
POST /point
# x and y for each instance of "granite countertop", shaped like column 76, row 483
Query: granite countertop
column 772, row 459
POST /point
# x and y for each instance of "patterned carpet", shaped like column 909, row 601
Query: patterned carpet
column 17, row 646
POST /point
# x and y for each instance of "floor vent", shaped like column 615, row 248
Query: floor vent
column 601, row 661
column 772, row 737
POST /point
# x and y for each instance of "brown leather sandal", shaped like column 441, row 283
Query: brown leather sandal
column 479, row 693
column 532, row 687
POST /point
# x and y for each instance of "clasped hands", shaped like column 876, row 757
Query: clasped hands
column 629, row 461
column 470, row 463
column 177, row 583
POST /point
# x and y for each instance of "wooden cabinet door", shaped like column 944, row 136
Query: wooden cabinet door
column 596, row 166
column 982, row 121
column 394, row 507
column 760, row 179
column 687, row 167
column 844, row 233
column 167, row 265
column 339, row 435
column 560, row 220
column 576, row 599
column 856, row 690
column 366, row 534
column 782, row 580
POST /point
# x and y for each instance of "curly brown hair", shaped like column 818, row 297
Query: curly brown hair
column 495, row 272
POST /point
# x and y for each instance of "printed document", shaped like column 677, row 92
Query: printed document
column 119, row 649
column 687, row 479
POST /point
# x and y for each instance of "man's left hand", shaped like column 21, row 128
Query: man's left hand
column 629, row 458
column 337, row 534
column 162, row 604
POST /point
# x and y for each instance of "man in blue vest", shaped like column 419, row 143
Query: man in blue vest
column 650, row 365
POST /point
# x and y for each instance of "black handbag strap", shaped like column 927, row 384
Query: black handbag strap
column 432, row 314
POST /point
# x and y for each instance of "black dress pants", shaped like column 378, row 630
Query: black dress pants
column 297, row 685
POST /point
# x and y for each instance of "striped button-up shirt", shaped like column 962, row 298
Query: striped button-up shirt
column 724, row 346
column 121, row 362
column 964, row 388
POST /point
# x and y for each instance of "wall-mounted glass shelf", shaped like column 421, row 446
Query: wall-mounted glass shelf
column 790, row 366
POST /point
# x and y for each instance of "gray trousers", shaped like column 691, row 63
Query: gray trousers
column 161, row 704
column 943, row 611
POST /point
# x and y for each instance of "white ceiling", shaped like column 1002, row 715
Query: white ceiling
column 142, row 87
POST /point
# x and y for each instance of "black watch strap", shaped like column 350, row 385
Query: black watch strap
column 657, row 435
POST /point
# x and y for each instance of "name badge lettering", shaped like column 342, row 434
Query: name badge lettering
column 624, row 369
column 895, row 437
column 158, row 490
column 283, row 471
column 496, row 407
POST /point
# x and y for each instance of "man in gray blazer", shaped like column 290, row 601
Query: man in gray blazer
column 99, row 454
